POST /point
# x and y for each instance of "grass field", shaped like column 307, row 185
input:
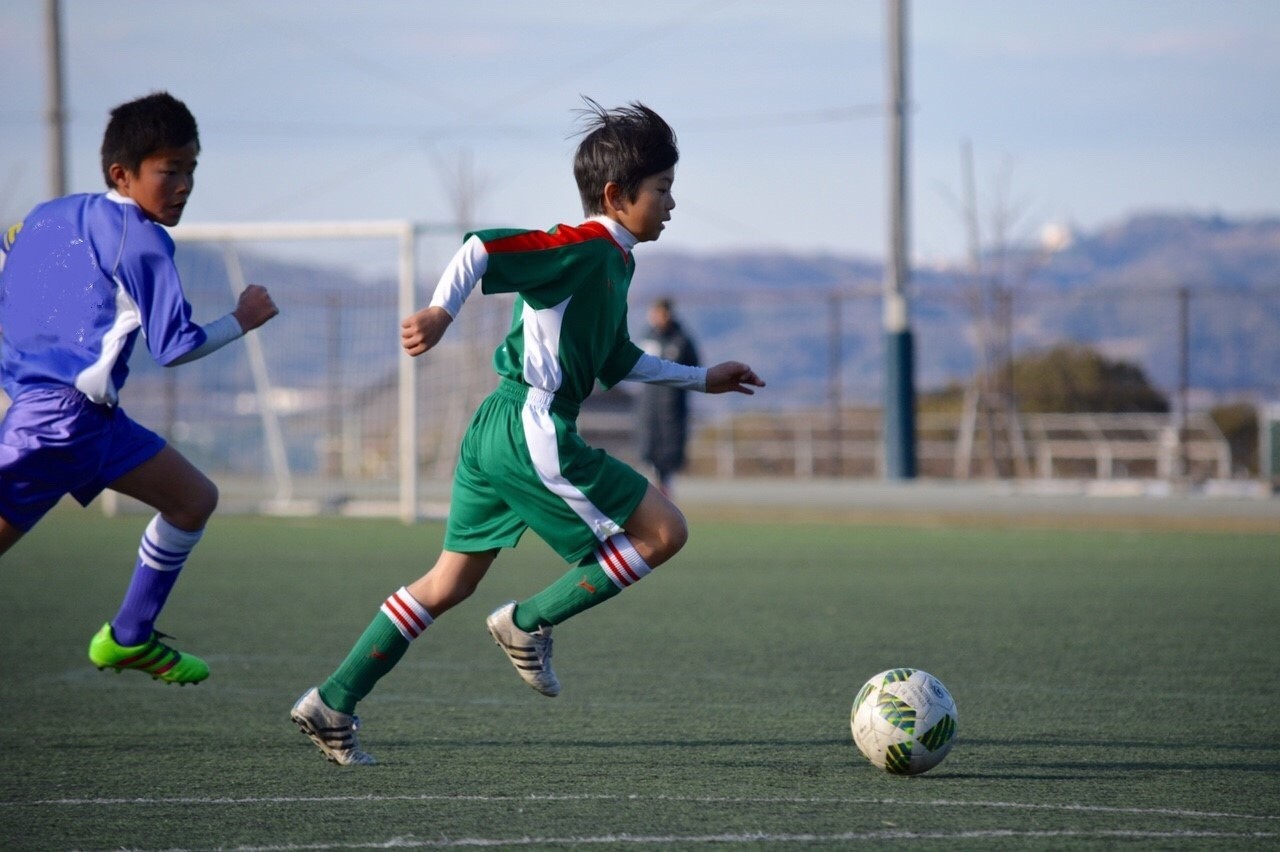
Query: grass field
column 1114, row 688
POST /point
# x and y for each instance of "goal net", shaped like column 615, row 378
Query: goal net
column 320, row 411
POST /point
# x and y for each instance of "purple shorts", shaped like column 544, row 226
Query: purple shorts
column 54, row 441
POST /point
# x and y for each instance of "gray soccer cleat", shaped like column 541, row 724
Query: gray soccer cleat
column 530, row 653
column 333, row 732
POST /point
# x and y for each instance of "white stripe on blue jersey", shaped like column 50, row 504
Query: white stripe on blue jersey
column 86, row 274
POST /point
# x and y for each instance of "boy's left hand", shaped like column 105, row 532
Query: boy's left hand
column 732, row 376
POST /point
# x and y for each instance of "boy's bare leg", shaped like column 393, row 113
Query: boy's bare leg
column 657, row 528
column 9, row 535
column 174, row 487
column 326, row 713
column 654, row 533
column 451, row 580
column 184, row 499
column 167, row 482
column 401, row 619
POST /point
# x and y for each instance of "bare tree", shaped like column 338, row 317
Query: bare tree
column 993, row 273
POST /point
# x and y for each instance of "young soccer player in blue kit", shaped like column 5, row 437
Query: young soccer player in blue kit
column 523, row 464
column 82, row 276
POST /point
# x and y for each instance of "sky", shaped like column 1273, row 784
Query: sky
column 1076, row 112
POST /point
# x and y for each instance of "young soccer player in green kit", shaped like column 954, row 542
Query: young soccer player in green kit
column 523, row 464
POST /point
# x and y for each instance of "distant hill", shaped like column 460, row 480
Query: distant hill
column 1203, row 252
column 1116, row 289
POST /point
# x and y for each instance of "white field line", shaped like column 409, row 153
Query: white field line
column 1181, row 813
column 746, row 837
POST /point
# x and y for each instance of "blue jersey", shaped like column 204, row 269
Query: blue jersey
column 82, row 277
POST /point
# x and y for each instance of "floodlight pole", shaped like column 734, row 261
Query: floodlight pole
column 899, row 380
column 55, row 115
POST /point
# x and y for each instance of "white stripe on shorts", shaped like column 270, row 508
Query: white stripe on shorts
column 540, row 434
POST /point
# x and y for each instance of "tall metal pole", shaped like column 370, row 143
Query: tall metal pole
column 899, row 407
column 1184, row 379
column 835, row 357
column 55, row 114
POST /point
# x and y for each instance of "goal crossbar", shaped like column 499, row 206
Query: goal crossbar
column 405, row 233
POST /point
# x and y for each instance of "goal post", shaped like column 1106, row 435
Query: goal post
column 1269, row 444
column 318, row 394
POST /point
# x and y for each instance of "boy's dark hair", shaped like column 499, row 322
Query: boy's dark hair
column 141, row 127
column 624, row 145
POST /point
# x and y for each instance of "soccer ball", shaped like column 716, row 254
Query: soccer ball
column 904, row 721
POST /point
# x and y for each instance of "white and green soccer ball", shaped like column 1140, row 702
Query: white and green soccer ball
column 904, row 721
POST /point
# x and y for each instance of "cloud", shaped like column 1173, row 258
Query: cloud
column 1182, row 43
column 1185, row 44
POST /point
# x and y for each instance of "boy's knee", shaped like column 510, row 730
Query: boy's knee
column 207, row 499
column 673, row 534
column 679, row 534
column 658, row 529
column 197, row 508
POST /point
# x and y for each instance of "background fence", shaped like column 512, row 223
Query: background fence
column 306, row 412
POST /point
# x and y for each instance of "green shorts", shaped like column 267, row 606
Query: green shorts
column 523, row 465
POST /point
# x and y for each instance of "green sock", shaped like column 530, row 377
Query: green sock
column 375, row 653
column 579, row 589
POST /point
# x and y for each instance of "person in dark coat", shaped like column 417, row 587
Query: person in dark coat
column 663, row 424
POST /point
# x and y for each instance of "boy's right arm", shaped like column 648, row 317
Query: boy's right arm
column 254, row 308
column 423, row 330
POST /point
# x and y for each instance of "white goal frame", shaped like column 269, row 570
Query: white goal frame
column 405, row 233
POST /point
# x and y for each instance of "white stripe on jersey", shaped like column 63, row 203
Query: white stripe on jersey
column 541, row 356
column 94, row 381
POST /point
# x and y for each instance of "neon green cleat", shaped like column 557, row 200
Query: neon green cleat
column 152, row 657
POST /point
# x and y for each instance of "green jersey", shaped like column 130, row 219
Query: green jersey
column 569, row 324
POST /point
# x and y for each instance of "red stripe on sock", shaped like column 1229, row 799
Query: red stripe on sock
column 404, row 626
column 606, row 562
column 404, row 614
column 613, row 560
column 411, row 608
column 626, row 566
